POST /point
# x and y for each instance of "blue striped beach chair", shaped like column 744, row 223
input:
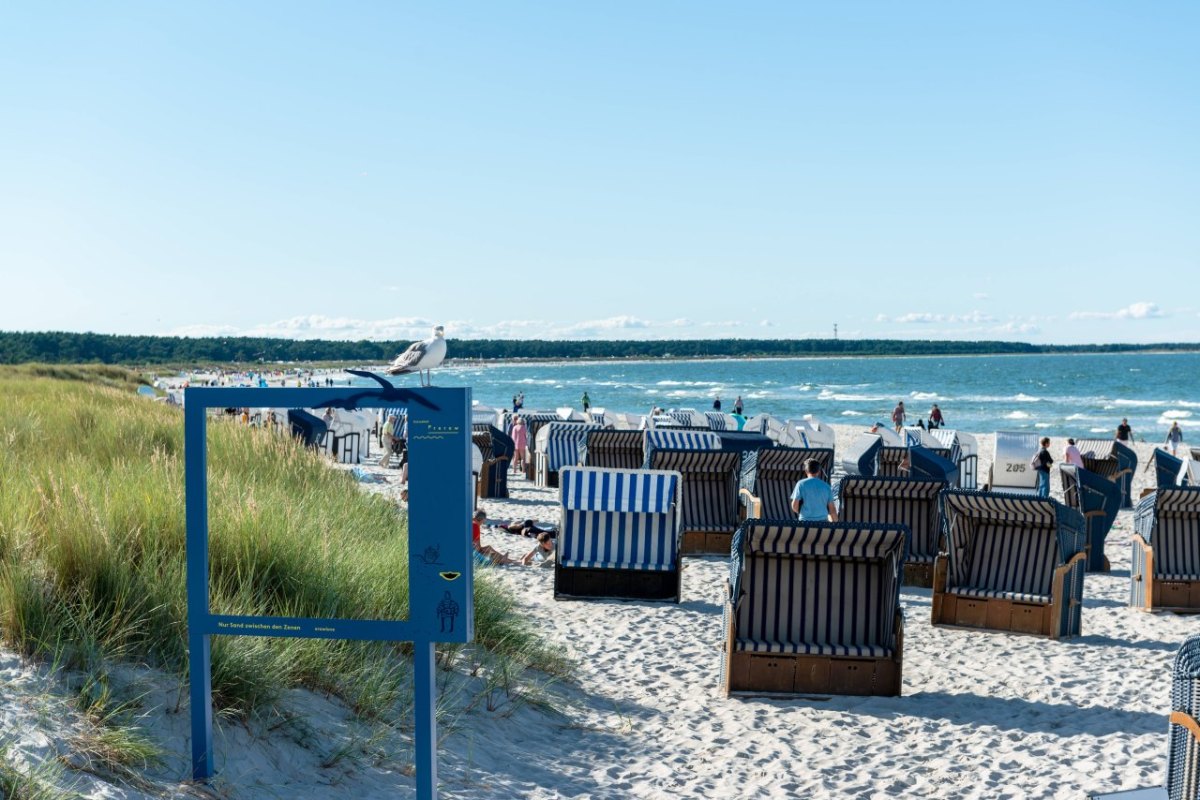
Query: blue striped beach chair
column 1113, row 460
column 1012, row 563
column 497, row 449
column 557, row 447
column 814, row 607
column 963, row 453
column 612, row 449
column 1165, row 569
column 769, row 475
column 534, row 421
column 708, row 500
column 619, row 534
column 1167, row 469
column 1183, row 749
column 1099, row 500
column 910, row 503
column 862, row 456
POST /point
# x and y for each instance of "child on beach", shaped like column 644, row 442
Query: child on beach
column 543, row 554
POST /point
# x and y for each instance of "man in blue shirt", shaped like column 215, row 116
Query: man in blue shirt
column 812, row 497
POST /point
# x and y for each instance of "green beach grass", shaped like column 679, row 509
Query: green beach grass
column 92, row 568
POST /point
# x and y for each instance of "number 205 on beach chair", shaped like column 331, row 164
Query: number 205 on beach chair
column 814, row 607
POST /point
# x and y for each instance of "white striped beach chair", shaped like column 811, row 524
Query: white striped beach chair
column 814, row 607
column 613, row 449
column 912, row 504
column 1165, row 569
column 1099, row 500
column 557, row 447
column 770, row 474
column 964, row 451
column 708, row 500
column 1113, row 460
column 1010, row 471
column 1012, row 563
column 619, row 534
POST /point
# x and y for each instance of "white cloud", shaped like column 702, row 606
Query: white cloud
column 927, row 318
column 1140, row 310
column 766, row 323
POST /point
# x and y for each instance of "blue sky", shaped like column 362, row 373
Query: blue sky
column 1021, row 171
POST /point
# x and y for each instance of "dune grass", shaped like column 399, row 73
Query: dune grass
column 92, row 548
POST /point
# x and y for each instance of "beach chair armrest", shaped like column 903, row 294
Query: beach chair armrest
column 1186, row 721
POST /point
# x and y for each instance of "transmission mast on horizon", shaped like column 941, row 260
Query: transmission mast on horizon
column 835, row 331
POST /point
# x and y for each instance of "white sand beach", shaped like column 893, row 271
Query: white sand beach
column 982, row 715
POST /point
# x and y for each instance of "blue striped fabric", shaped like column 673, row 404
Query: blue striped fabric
column 900, row 501
column 1183, row 750
column 718, row 421
column 629, row 490
column 562, row 443
column 1169, row 521
column 816, row 588
column 657, row 438
column 1005, row 545
column 1015, row 596
column 612, row 449
column 708, row 495
column 619, row 519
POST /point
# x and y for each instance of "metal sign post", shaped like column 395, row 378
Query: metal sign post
column 441, row 578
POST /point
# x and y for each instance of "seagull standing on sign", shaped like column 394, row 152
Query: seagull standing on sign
column 421, row 357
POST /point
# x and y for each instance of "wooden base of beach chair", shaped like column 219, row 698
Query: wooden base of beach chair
column 630, row 584
column 490, row 479
column 1179, row 596
column 919, row 573
column 773, row 673
column 705, row 543
column 992, row 614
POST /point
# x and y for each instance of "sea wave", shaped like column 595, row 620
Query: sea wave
column 1175, row 414
column 1139, row 403
column 849, row 398
column 925, row 396
column 1016, row 415
column 849, row 413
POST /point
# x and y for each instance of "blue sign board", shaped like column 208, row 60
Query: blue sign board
column 441, row 578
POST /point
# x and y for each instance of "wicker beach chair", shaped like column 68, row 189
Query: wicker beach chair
column 558, row 447
column 612, row 449
column 498, row 450
column 964, row 451
column 534, row 421
column 1113, row 460
column 708, row 497
column 862, row 456
column 1167, row 469
column 619, row 534
column 1165, row 569
column 1099, row 500
column 769, row 475
column 1183, row 749
column 908, row 502
column 814, row 607
column 1012, row 563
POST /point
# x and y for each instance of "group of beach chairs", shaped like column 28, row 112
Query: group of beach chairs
column 814, row 607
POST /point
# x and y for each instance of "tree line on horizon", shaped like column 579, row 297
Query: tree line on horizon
column 58, row 347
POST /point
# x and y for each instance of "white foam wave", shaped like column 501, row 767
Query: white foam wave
column 1016, row 415
column 1099, row 430
column 1021, row 397
column 1175, row 414
column 1079, row 416
column 852, row 413
column 1041, row 424
column 924, row 395
column 1136, row 403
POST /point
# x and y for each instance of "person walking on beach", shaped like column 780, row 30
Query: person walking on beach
column 898, row 416
column 389, row 439
column 717, row 403
column 812, row 498
column 1071, row 454
column 1041, row 464
column 737, row 405
column 587, row 402
column 1124, row 432
column 935, row 417
column 1174, row 438
column 520, row 437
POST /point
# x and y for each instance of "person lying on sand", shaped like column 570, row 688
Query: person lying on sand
column 527, row 528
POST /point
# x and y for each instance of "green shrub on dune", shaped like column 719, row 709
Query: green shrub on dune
column 92, row 546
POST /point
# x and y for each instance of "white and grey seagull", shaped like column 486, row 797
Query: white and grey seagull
column 421, row 357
